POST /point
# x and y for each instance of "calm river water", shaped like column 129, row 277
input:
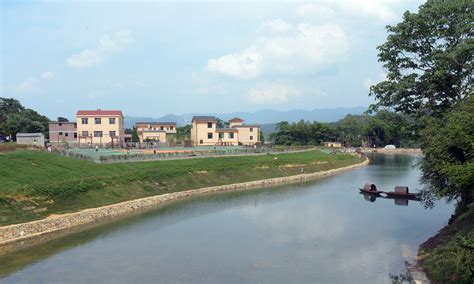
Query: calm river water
column 319, row 232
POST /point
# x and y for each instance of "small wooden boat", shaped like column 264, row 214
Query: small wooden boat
column 370, row 188
column 402, row 192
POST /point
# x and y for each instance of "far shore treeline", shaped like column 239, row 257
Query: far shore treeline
column 377, row 130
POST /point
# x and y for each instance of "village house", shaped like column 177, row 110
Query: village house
column 332, row 144
column 100, row 127
column 154, row 131
column 62, row 132
column 36, row 139
column 204, row 131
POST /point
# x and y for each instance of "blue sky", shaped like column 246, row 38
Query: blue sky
column 153, row 58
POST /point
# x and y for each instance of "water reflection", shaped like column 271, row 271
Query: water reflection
column 314, row 232
column 399, row 201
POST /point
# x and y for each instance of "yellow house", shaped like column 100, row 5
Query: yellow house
column 100, row 127
column 156, row 131
column 204, row 132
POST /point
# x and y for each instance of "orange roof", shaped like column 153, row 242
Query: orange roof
column 100, row 112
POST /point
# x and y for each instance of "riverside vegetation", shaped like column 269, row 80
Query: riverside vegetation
column 36, row 184
column 429, row 62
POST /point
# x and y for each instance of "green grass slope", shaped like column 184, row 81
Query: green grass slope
column 35, row 184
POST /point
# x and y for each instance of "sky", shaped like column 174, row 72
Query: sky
column 151, row 58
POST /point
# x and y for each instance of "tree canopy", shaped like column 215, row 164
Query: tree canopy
column 15, row 118
column 428, row 58
column 448, row 145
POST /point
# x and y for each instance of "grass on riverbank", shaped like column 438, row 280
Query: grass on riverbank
column 35, row 184
column 448, row 257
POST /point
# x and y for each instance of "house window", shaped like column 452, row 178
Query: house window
column 111, row 120
column 209, row 125
column 85, row 133
column 97, row 120
column 85, row 120
column 209, row 135
column 161, row 127
column 60, row 133
column 112, row 133
column 251, row 129
column 171, row 127
column 75, row 134
column 97, row 133
column 66, row 134
column 60, row 124
column 231, row 135
column 221, row 135
column 251, row 137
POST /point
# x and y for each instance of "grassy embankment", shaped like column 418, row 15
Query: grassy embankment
column 35, row 184
column 448, row 257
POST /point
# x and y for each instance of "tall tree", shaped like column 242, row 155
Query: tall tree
column 429, row 59
column 15, row 118
column 448, row 145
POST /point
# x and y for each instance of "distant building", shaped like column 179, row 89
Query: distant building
column 100, row 127
column 30, row 139
column 332, row 144
column 62, row 132
column 204, row 131
column 156, row 131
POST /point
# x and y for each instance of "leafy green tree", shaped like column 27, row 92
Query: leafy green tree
column 62, row 119
column 222, row 123
column 428, row 58
column 448, row 144
column 135, row 137
column 183, row 132
column 15, row 119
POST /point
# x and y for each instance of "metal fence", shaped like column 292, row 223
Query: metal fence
column 102, row 156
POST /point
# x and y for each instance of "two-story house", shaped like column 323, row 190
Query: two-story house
column 62, row 131
column 154, row 131
column 204, row 131
column 100, row 127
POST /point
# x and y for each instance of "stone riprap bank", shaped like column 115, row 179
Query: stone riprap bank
column 19, row 232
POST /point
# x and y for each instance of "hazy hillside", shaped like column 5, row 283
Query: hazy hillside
column 267, row 116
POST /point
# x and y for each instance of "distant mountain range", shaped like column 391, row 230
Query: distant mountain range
column 267, row 116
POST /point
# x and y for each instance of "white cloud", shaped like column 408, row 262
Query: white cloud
column 368, row 82
column 32, row 84
column 245, row 64
column 47, row 75
column 381, row 9
column 271, row 93
column 29, row 85
column 309, row 47
column 108, row 44
column 311, row 10
column 277, row 26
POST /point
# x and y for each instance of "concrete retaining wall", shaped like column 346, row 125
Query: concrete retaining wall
column 19, row 232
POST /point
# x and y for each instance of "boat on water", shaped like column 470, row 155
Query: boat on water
column 370, row 188
column 402, row 192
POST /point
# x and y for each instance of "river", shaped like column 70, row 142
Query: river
column 322, row 231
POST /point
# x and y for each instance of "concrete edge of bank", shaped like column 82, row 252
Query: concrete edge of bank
column 16, row 233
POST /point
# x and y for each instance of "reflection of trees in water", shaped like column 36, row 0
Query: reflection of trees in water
column 401, row 278
column 404, row 277
column 428, row 199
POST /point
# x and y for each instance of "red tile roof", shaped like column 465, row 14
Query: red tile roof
column 100, row 112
